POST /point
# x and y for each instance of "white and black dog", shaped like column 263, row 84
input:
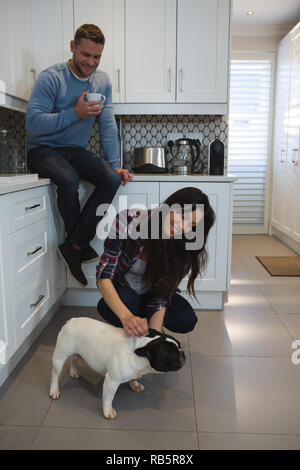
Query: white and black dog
column 111, row 352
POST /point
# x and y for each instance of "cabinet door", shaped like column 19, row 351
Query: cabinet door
column 203, row 51
column 52, row 31
column 108, row 15
column 150, row 50
column 280, row 133
column 292, row 217
column 214, row 277
column 132, row 195
column 15, row 54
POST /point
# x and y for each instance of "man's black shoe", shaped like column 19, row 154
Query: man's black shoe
column 88, row 254
column 72, row 259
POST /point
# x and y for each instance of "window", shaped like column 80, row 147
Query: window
column 249, row 142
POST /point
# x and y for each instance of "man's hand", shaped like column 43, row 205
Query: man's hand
column 125, row 175
column 135, row 326
column 85, row 109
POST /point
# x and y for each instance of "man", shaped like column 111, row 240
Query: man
column 59, row 121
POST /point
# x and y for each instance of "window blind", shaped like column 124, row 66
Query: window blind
column 248, row 141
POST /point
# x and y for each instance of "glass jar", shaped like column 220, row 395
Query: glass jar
column 10, row 159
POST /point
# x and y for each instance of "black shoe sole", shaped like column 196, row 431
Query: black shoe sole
column 67, row 266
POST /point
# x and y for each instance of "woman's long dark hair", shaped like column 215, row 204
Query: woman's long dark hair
column 168, row 260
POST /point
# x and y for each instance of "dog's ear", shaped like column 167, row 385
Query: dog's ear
column 152, row 333
column 145, row 351
column 142, row 352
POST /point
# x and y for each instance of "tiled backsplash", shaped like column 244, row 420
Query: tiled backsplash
column 139, row 131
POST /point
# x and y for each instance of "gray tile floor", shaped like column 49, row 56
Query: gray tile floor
column 238, row 389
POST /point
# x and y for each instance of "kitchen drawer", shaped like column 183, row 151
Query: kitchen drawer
column 29, row 252
column 30, row 303
column 26, row 207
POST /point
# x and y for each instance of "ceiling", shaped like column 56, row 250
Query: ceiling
column 270, row 16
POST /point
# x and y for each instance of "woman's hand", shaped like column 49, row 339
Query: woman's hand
column 135, row 326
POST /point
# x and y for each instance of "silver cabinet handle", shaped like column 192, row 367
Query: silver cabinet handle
column 32, row 207
column 40, row 298
column 169, row 80
column 181, row 80
column 38, row 248
column 34, row 74
column 119, row 81
column 294, row 161
column 283, row 151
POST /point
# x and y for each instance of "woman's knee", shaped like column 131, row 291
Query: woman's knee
column 180, row 316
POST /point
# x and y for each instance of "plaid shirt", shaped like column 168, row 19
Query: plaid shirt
column 120, row 253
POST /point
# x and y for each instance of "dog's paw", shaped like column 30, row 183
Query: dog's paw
column 110, row 414
column 136, row 386
column 54, row 394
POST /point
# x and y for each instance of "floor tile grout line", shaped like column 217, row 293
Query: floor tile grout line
column 193, row 388
column 157, row 430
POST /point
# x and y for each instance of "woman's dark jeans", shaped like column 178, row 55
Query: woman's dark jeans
column 65, row 166
column 179, row 318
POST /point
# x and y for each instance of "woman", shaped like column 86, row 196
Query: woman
column 138, row 276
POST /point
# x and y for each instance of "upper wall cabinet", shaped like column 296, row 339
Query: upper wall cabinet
column 52, row 31
column 15, row 53
column 177, row 51
column 109, row 16
column 203, row 51
column 150, row 51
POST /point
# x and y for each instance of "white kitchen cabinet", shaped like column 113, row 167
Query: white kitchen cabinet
column 286, row 168
column 52, row 31
column 109, row 16
column 215, row 279
column 150, row 51
column 186, row 60
column 16, row 78
column 280, row 132
column 203, row 51
column 30, row 280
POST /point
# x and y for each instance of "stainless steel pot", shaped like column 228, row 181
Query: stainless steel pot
column 149, row 160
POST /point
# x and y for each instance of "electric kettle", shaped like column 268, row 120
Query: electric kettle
column 185, row 153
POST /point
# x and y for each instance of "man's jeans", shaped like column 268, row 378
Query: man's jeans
column 65, row 166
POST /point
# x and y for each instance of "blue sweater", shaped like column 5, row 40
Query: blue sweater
column 51, row 118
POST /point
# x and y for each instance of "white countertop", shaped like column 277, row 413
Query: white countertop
column 15, row 186
column 197, row 177
column 6, row 188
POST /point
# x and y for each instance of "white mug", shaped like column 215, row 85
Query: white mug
column 96, row 97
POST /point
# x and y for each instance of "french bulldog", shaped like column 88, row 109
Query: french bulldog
column 111, row 352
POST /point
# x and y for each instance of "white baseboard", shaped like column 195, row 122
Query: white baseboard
column 292, row 244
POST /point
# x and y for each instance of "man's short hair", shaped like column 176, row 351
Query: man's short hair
column 89, row 31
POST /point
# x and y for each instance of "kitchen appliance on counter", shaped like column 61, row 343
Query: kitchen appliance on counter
column 10, row 160
column 216, row 157
column 185, row 153
column 149, row 160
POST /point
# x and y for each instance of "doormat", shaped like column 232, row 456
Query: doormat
column 281, row 265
